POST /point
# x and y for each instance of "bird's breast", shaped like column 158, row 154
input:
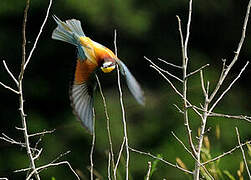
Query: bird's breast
column 83, row 71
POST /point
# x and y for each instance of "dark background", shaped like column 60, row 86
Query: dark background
column 144, row 28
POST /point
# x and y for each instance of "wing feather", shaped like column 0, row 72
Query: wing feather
column 132, row 83
column 82, row 104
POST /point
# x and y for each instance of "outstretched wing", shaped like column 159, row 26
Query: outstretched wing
column 132, row 83
column 81, row 93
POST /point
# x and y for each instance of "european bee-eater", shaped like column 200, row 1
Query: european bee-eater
column 91, row 56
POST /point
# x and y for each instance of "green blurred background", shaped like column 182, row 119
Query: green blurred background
column 144, row 28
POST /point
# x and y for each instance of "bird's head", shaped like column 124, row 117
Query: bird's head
column 108, row 66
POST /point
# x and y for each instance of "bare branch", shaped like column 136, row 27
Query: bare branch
column 181, row 38
column 24, row 41
column 162, row 160
column 213, row 114
column 10, row 73
column 38, row 154
column 109, row 166
column 202, row 84
column 170, row 74
column 115, row 42
column 149, row 170
column 226, row 153
column 168, row 63
column 241, row 117
column 184, row 65
column 123, row 112
column 42, row 133
column 57, row 158
column 188, row 29
column 124, row 124
column 200, row 139
column 175, row 89
column 192, row 73
column 9, row 88
column 226, row 71
column 120, row 153
column 243, row 153
column 183, row 145
column 93, row 145
column 180, row 111
column 12, row 141
column 172, row 85
column 107, row 125
column 52, row 165
column 229, row 87
column 20, row 129
column 192, row 155
column 38, row 36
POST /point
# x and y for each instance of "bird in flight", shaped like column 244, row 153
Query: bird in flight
column 90, row 57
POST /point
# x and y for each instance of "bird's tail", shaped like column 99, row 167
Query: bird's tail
column 69, row 31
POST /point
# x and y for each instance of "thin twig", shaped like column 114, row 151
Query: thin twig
column 10, row 73
column 180, row 111
column 170, row 74
column 57, row 158
column 184, row 65
column 243, row 153
column 192, row 155
column 109, row 166
column 119, row 156
column 42, row 133
column 188, row 28
column 21, row 99
column 12, row 141
column 149, row 170
column 183, row 145
column 176, row 90
column 228, row 88
column 51, row 165
column 168, row 63
column 172, row 85
column 202, row 84
column 107, row 125
column 226, row 71
column 9, row 88
column 241, row 117
column 192, row 73
column 125, row 126
column 123, row 112
column 20, row 88
column 38, row 36
column 20, row 129
column 201, row 137
column 226, row 153
column 162, row 160
column 115, row 42
column 214, row 114
column 181, row 37
column 93, row 145
column 38, row 154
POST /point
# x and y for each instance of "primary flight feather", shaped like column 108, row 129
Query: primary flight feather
column 91, row 55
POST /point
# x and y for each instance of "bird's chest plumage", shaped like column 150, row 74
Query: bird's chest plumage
column 83, row 71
